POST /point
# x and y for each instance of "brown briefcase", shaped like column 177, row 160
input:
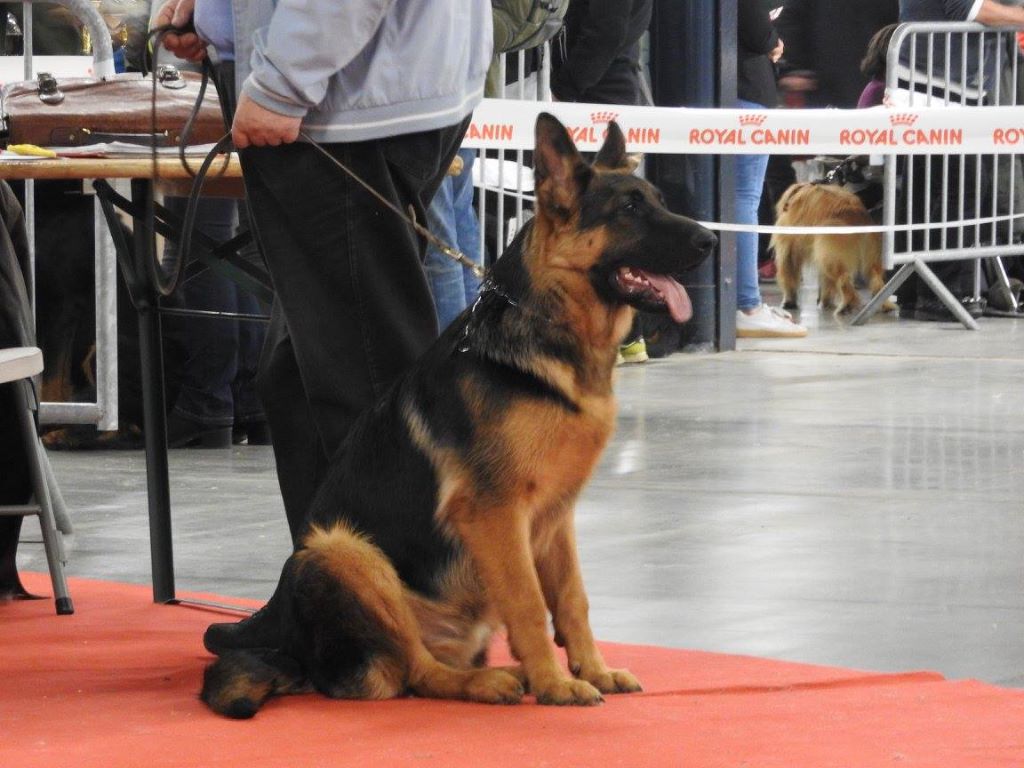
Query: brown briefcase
column 78, row 111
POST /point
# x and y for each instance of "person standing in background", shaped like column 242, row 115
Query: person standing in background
column 758, row 48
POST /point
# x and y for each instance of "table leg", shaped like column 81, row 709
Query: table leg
column 154, row 410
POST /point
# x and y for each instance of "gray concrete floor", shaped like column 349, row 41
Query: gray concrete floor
column 854, row 498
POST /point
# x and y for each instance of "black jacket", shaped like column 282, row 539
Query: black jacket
column 597, row 56
column 756, row 38
column 830, row 38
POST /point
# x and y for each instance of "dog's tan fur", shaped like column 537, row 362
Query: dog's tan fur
column 838, row 258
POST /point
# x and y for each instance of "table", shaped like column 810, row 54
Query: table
column 169, row 176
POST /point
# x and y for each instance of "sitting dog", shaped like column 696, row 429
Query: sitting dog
column 838, row 258
column 448, row 512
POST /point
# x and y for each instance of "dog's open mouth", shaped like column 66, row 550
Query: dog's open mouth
column 659, row 290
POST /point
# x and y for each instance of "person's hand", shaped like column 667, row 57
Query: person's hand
column 776, row 52
column 178, row 13
column 260, row 127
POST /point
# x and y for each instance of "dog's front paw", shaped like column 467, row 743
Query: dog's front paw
column 494, row 686
column 613, row 681
column 569, row 693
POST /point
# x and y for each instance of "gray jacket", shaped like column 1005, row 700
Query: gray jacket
column 366, row 69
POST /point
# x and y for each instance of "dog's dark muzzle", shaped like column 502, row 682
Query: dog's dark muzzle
column 694, row 244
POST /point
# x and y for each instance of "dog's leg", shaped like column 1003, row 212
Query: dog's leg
column 562, row 583
column 366, row 577
column 788, row 271
column 837, row 289
column 499, row 541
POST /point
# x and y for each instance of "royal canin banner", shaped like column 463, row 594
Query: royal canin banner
column 509, row 124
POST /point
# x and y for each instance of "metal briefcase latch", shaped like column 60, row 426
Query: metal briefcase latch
column 49, row 93
column 169, row 77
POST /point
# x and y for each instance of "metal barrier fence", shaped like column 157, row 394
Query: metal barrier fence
column 502, row 176
column 963, row 206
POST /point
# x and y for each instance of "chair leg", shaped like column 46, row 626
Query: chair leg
column 60, row 507
column 51, row 538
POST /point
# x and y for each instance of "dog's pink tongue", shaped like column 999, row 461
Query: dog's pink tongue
column 675, row 296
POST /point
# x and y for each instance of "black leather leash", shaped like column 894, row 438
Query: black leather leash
column 409, row 217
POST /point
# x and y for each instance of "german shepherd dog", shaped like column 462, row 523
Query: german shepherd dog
column 839, row 258
column 448, row 511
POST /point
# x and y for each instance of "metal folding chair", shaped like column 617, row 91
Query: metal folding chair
column 18, row 365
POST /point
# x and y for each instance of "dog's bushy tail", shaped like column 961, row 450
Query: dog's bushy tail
column 239, row 682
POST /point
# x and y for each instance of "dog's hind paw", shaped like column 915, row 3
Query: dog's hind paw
column 494, row 686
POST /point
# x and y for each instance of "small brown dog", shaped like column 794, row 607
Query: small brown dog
column 839, row 258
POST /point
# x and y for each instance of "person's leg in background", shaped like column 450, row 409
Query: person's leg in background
column 250, row 423
column 203, row 412
column 452, row 218
column 443, row 273
column 353, row 308
column 467, row 224
column 754, row 318
column 750, row 171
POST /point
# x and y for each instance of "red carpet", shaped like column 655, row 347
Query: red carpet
column 115, row 685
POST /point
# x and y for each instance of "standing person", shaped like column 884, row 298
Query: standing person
column 988, row 12
column 825, row 42
column 385, row 88
column 758, row 48
column 596, row 59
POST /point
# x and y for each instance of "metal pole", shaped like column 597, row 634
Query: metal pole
column 688, row 46
column 153, row 410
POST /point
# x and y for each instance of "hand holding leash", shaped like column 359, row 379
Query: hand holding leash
column 181, row 38
column 257, row 126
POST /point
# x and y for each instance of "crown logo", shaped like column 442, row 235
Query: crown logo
column 907, row 120
column 603, row 117
column 753, row 119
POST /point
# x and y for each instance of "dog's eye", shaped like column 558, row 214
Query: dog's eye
column 631, row 204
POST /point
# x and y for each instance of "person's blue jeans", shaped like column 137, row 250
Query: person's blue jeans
column 452, row 218
column 750, row 170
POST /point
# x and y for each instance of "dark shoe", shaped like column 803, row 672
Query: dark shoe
column 186, row 433
column 257, row 631
column 253, row 433
column 933, row 310
column 1003, row 302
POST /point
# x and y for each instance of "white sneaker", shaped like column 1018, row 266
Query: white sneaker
column 767, row 323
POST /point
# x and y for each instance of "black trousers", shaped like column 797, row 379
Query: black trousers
column 352, row 305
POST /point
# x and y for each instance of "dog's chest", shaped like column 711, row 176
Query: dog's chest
column 553, row 451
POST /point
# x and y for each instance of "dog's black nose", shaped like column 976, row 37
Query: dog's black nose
column 704, row 241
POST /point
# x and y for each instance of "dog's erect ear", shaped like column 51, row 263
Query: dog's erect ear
column 559, row 171
column 612, row 156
